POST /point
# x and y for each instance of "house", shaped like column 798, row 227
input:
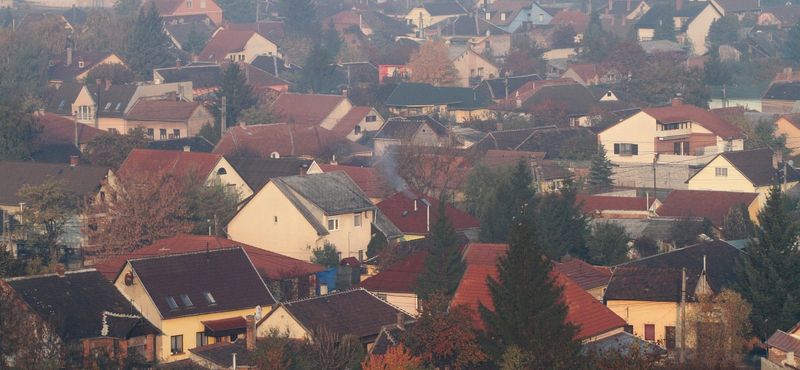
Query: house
column 257, row 172
column 291, row 215
column 603, row 206
column 472, row 68
column 480, row 35
column 287, row 140
column 272, row 30
column 781, row 97
column 394, row 284
column 368, row 22
column 368, row 179
column 236, row 46
column 208, row 167
column 594, row 320
column 275, row 65
column 352, row 75
column 76, row 308
column 79, row 180
column 499, row 88
column 628, row 9
column 575, row 19
column 548, row 176
column 592, row 279
column 647, row 292
column 414, row 213
column 354, row 312
column 591, row 74
column 459, row 103
column 73, row 65
column 170, row 119
column 59, row 138
column 430, row 13
column 34, row 18
column 738, row 8
column 179, row 27
column 105, row 106
column 789, row 125
column 712, row 205
column 416, row 131
column 511, row 15
column 692, row 21
column 207, row 78
column 187, row 144
column 332, row 112
column 784, row 17
column 781, row 349
column 746, row 171
column 669, row 135
column 172, row 8
column 287, row 278
column 548, row 139
column 392, row 67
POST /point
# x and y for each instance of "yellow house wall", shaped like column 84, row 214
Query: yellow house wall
column 284, row 322
column 231, row 178
column 257, row 45
column 792, row 133
column 638, row 129
column 470, row 61
column 367, row 126
column 336, row 114
column 111, row 59
column 707, row 179
column 467, row 115
column 645, row 34
column 698, row 29
column 118, row 123
column 598, row 292
column 639, row 313
column 85, row 99
column 189, row 327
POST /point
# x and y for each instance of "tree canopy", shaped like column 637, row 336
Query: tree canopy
column 430, row 64
column 444, row 266
column 148, row 46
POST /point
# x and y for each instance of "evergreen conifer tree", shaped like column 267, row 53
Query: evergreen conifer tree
column 768, row 273
column 562, row 225
column 239, row 95
column 600, row 170
column 593, row 46
column 529, row 312
column 717, row 71
column 507, row 199
column 444, row 266
column 300, row 17
column 793, row 44
column 148, row 46
column 195, row 41
column 318, row 71
column 665, row 29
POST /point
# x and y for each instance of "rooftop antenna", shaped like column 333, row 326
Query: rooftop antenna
column 208, row 253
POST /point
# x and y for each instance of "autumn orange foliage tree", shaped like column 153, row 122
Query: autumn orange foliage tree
column 431, row 64
column 396, row 358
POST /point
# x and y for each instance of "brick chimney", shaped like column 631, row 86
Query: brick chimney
column 187, row 148
column 678, row 4
column 676, row 102
column 344, row 93
column 60, row 270
column 178, row 63
column 74, row 160
column 250, row 338
column 499, row 126
column 108, row 84
column 400, row 321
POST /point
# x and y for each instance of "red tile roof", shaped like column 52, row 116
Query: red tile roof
column 399, row 208
column 398, row 277
column 230, row 323
column 305, row 108
column 351, row 120
column 484, row 254
column 163, row 6
column 713, row 205
column 224, row 42
column 270, row 265
column 167, row 161
column 600, row 203
column 368, row 179
column 162, row 110
column 591, row 315
column 579, row 21
column 584, row 274
column 56, row 129
column 784, row 342
column 708, row 119
column 270, row 30
column 288, row 140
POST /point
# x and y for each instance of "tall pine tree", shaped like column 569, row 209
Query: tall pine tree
column 529, row 312
column 148, row 45
column 600, row 171
column 508, row 197
column 594, row 46
column 239, row 95
column 768, row 273
column 665, row 29
column 563, row 227
column 444, row 266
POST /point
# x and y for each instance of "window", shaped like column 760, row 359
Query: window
column 171, row 302
column 488, row 15
column 241, row 57
column 189, row 4
column 357, row 220
column 85, row 113
column 382, row 296
column 233, row 57
column 202, row 339
column 186, row 301
column 209, row 298
column 357, row 130
column 371, row 118
column 203, row 4
column 119, row 105
column 163, row 133
column 176, row 344
column 80, row 64
column 102, row 196
column 480, row 71
column 222, row 171
column 626, row 149
column 721, row 171
column 275, row 219
column 502, row 16
column 113, row 130
column 541, row 17
column 677, row 148
column 176, row 134
column 649, row 332
column 108, row 106
column 333, row 223
column 62, row 104
column 151, row 133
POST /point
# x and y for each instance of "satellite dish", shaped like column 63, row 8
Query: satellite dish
column 258, row 313
column 791, row 163
column 129, row 278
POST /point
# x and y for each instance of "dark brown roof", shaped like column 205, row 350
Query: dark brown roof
column 57, row 129
column 179, row 163
column 75, row 304
column 163, row 110
column 194, row 274
column 305, row 108
column 657, row 278
column 62, row 72
column 201, row 76
column 257, row 172
column 355, row 312
column 784, row 342
column 756, row 165
column 80, row 180
column 708, row 119
column 61, row 102
column 224, row 42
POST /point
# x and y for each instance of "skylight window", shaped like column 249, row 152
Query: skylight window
column 108, row 106
column 63, row 103
column 209, row 298
column 171, row 302
column 186, row 301
column 119, row 105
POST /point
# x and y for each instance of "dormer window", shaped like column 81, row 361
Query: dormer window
column 189, row 4
column 488, row 15
column 80, row 64
column 209, row 298
column 171, row 302
column 186, row 301
column 502, row 16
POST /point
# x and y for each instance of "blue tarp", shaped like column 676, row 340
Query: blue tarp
column 327, row 277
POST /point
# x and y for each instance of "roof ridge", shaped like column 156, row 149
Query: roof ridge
column 73, row 272
column 323, row 295
column 209, row 250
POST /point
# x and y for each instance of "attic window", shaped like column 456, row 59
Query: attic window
column 171, row 302
column 108, row 106
column 63, row 103
column 502, row 16
column 186, row 301
column 80, row 64
column 222, row 171
column 119, row 105
column 488, row 15
column 371, row 118
column 209, row 298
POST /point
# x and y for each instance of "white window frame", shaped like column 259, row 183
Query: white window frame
column 202, row 4
column 333, row 223
column 357, row 220
column 188, row 4
column 721, row 171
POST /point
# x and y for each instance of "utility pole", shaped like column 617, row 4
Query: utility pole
column 77, row 141
column 683, row 316
column 785, row 164
column 655, row 159
column 224, row 116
